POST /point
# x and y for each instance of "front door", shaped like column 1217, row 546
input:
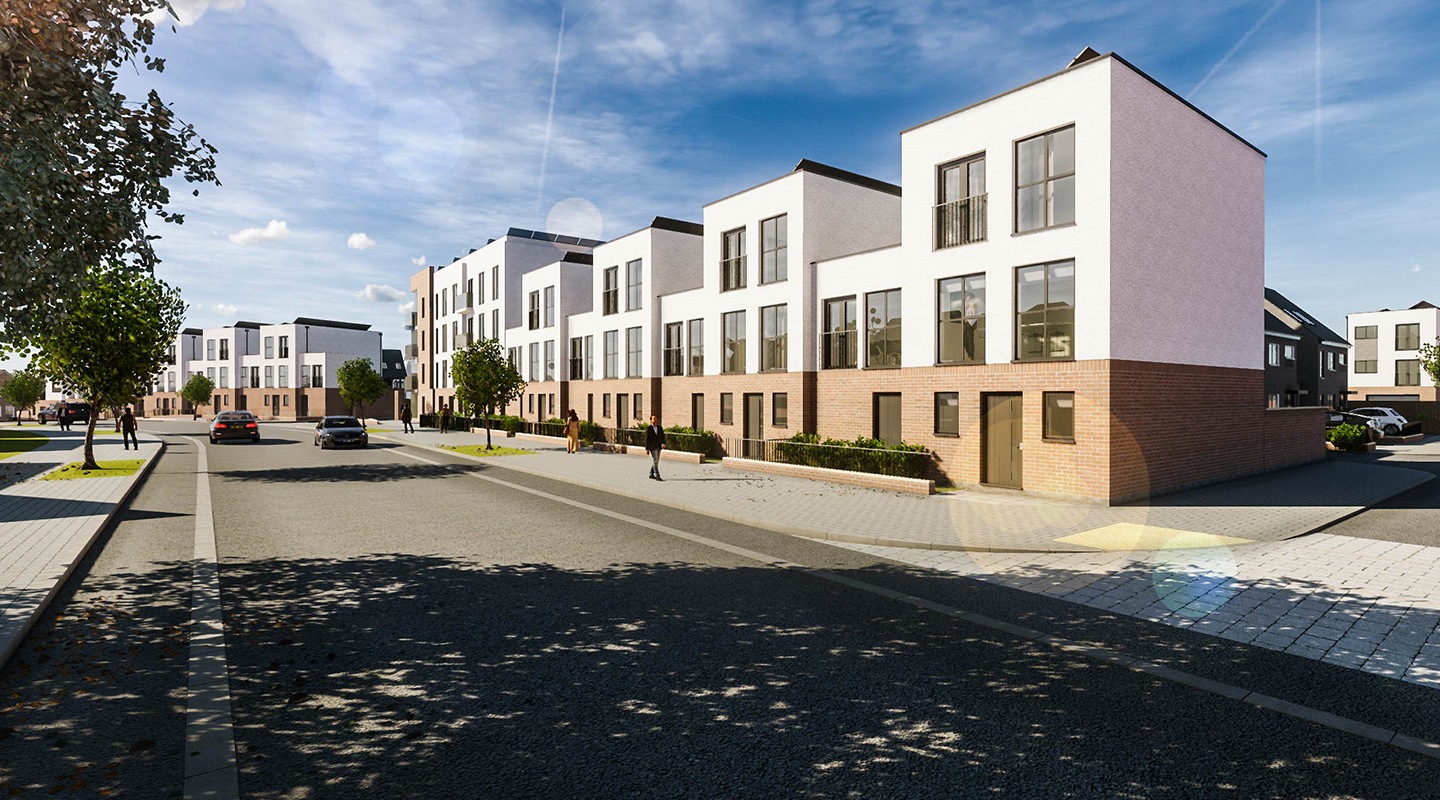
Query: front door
column 754, row 425
column 887, row 417
column 622, row 410
column 590, row 407
column 697, row 411
column 302, row 408
column 275, row 405
column 1002, row 416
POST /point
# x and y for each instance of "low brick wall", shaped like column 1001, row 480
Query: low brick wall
column 886, row 482
column 1292, row 436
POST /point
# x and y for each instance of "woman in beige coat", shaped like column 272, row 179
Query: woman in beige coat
column 572, row 433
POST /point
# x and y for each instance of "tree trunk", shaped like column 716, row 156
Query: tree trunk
column 488, row 413
column 90, row 440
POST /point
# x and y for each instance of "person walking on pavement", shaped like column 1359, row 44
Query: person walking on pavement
column 127, row 430
column 654, row 443
column 572, row 432
column 405, row 418
column 445, row 419
column 62, row 416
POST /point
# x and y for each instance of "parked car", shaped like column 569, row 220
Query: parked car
column 341, row 432
column 1387, row 420
column 234, row 425
column 48, row 414
column 72, row 412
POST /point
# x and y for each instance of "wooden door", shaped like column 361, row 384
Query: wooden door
column 1002, row 462
column 754, row 425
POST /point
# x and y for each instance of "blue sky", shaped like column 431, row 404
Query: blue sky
column 360, row 140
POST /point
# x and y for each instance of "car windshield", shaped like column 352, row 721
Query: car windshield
column 342, row 422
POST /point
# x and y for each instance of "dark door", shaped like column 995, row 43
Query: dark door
column 590, row 407
column 697, row 411
column 275, row 405
column 754, row 425
column 887, row 417
column 302, row 405
column 622, row 410
column 1002, row 416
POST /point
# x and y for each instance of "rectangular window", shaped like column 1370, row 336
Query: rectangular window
column 634, row 354
column 209, row 349
column 269, row 346
column 882, row 329
column 1045, row 180
column 480, row 287
column 224, row 349
column 549, row 306
column 780, row 410
column 1330, row 361
column 733, row 325
column 284, row 346
column 445, row 374
column 284, row 376
column 637, row 403
column 495, row 282
column 727, row 408
column 1272, row 354
column 612, row 354
column 577, row 358
column 961, row 334
column 534, row 373
column 1365, row 367
column 839, row 348
column 530, row 399
column 224, row 377
column 732, row 260
column 444, row 302
column 589, row 357
column 1367, row 331
column 697, row 411
column 1290, row 353
column 470, row 293
column 633, row 276
column 1407, row 337
column 960, row 203
column 673, row 362
column 1045, row 312
column 1407, row 372
column 533, row 318
column 773, row 340
column 515, row 358
column 774, row 250
column 495, row 323
column 1060, row 416
column 605, row 406
column 210, row 373
column 697, row 346
column 610, row 291
column 947, row 413
column 549, row 359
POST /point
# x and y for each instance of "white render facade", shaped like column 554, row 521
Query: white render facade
column 1385, row 360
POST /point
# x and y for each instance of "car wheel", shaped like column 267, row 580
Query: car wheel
column 212, row 440
column 1392, row 429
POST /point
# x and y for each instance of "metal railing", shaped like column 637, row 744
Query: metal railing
column 960, row 222
column 877, row 461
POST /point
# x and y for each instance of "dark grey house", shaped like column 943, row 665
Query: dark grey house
column 392, row 367
column 1305, row 361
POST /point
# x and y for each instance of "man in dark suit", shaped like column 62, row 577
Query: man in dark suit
column 654, row 443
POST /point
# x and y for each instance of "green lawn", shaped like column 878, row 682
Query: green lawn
column 479, row 450
column 108, row 469
column 17, row 441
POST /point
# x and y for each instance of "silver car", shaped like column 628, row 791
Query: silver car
column 341, row 432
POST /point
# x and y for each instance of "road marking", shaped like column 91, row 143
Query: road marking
column 210, row 764
column 1230, row 691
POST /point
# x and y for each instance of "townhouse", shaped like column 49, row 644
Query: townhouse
column 1304, row 360
column 1386, row 363
column 553, row 293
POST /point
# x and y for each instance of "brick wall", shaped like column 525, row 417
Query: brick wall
column 1293, row 436
column 675, row 402
column 579, row 392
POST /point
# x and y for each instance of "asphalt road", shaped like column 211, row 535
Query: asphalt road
column 1412, row 517
column 400, row 623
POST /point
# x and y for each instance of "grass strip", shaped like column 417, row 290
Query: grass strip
column 108, row 469
column 479, row 450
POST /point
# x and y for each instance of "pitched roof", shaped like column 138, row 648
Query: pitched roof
column 1301, row 317
column 1423, row 304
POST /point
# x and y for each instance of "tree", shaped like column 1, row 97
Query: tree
column 24, row 389
column 113, row 340
column 197, row 392
column 359, row 383
column 82, row 167
column 1430, row 360
column 484, row 380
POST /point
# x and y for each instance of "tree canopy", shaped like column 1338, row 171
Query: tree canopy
column 359, row 383
column 24, row 389
column 484, row 380
column 82, row 166
column 1430, row 360
column 197, row 391
column 113, row 341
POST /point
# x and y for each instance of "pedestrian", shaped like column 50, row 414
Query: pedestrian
column 62, row 416
column 654, row 443
column 445, row 419
column 572, row 432
column 127, row 430
column 405, row 418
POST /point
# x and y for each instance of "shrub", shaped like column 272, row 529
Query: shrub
column 589, row 431
column 861, row 455
column 689, row 440
column 1348, row 436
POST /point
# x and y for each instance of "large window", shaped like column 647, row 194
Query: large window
column 1060, row 416
column 224, row 349
column 224, row 377
column 612, row 355
column 674, row 354
column 727, row 408
column 1407, row 372
column 961, row 334
column 1367, row 367
column 610, row 291
column 633, row 288
column 733, row 325
column 1407, row 337
column 780, row 410
column 269, row 377
column 533, row 319
column 1045, row 180
column 549, row 306
column 534, row 374
column 577, row 358
column 495, row 284
column 634, row 353
column 960, row 203
column 589, row 357
column 882, row 329
column 549, row 359
column 774, row 249
column 1367, row 331
column 947, row 413
column 696, row 336
column 284, row 376
column 732, row 260
column 839, row 341
column 773, row 339
column 1272, row 354
column 284, row 346
column 1045, row 312
column 209, row 349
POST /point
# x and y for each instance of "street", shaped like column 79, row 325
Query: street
column 403, row 623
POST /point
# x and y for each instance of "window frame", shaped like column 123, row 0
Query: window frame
column 549, row 304
column 673, row 354
column 1046, row 181
column 695, row 346
column 1407, row 343
column 973, row 232
column 727, row 408
column 733, row 347
column 1412, row 379
column 611, row 355
column 634, row 284
column 941, row 320
column 634, row 352
column 847, row 338
column 774, row 261
column 1045, row 337
column 898, row 330
column 732, row 266
column 780, row 409
column 774, row 347
column 610, row 291
column 1047, row 434
column 532, row 316
column 954, row 402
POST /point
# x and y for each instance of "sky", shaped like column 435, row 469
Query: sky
column 361, row 141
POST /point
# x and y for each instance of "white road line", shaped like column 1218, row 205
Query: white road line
column 1230, row 691
column 210, row 765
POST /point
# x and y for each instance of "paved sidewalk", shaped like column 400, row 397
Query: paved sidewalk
column 46, row 527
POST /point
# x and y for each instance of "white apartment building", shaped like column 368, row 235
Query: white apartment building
column 1385, row 362
column 552, row 294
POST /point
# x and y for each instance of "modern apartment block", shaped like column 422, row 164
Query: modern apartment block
column 281, row 371
column 1386, row 361
column 1305, row 362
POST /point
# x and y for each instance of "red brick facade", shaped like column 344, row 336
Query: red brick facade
column 678, row 394
column 588, row 400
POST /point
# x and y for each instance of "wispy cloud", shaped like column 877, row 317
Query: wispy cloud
column 359, row 241
column 226, row 309
column 419, row 260
column 380, row 293
column 189, row 12
column 274, row 230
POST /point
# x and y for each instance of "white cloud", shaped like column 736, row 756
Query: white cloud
column 419, row 260
column 189, row 12
column 274, row 230
column 380, row 293
column 1415, row 268
column 359, row 241
column 406, row 308
column 226, row 309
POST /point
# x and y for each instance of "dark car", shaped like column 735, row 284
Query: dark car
column 76, row 412
column 341, row 432
column 234, row 425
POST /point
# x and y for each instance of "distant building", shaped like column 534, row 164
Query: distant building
column 1386, row 362
column 1305, row 362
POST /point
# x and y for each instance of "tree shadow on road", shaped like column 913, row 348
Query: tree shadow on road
column 348, row 473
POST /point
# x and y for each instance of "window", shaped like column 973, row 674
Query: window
column 224, row 349
column 633, row 276
column 549, row 359
column 577, row 358
column 1060, row 416
column 773, row 341
column 674, row 353
column 1407, row 372
column 209, row 349
column 534, row 373
column 774, row 249
column 495, row 323
column 224, row 377
column 284, row 346
column 170, row 354
column 444, row 302
column 1407, row 337
column 1290, row 353
column 269, row 346
column 697, row 411
column 254, row 377
column 633, row 353
column 961, row 314
column 605, row 406
column 960, row 203
column 637, row 403
column 1330, row 361
column 882, row 329
column 780, row 410
column 697, row 346
column 727, row 408
column 1367, row 331
column 533, row 318
column 530, row 399
column 549, row 306
column 839, row 342
column 1272, row 354
column 171, row 380
column 470, row 293
column 886, row 411
column 210, row 373
column 612, row 355
column 610, row 294
column 284, row 376
column 733, row 325
column 732, row 260
column 495, row 282
column 444, row 374
column 1045, row 312
column 515, row 358
column 1339, row 357
column 589, row 357
column 1045, row 180
column 480, row 287
column 947, row 413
